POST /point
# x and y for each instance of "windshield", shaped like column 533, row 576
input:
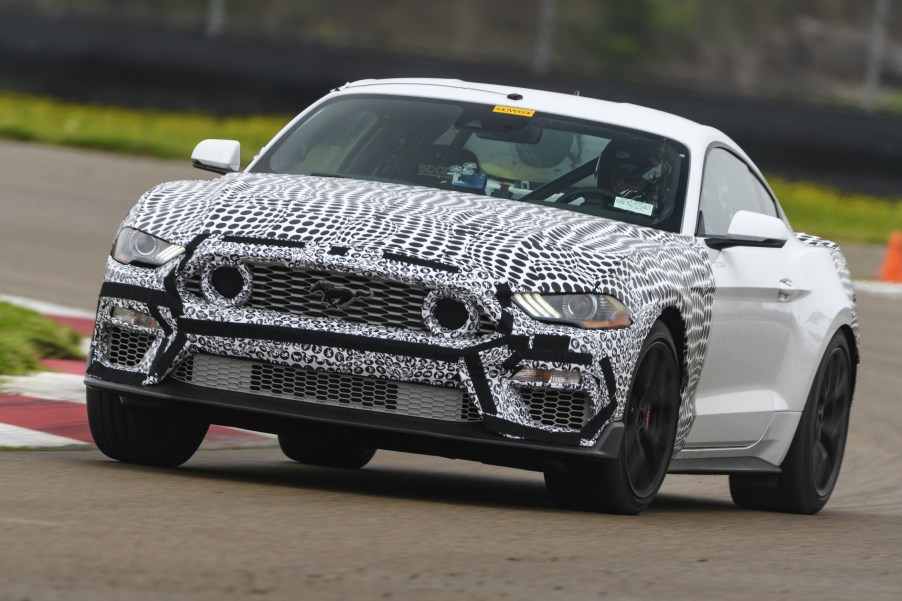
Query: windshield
column 497, row 151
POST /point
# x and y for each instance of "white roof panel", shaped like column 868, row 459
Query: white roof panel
column 614, row 113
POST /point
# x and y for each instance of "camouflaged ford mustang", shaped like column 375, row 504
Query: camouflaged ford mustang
column 602, row 292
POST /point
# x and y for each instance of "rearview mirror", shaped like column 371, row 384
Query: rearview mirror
column 752, row 229
column 218, row 156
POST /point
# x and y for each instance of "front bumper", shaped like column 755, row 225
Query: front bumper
column 140, row 362
column 392, row 432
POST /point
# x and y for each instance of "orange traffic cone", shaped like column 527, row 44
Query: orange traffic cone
column 892, row 265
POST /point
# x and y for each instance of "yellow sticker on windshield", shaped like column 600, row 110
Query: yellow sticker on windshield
column 510, row 110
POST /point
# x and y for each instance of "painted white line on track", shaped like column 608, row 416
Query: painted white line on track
column 263, row 434
column 16, row 437
column 879, row 288
column 59, row 387
column 46, row 308
column 46, row 385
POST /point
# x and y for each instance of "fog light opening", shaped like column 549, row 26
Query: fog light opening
column 227, row 281
column 135, row 318
column 551, row 377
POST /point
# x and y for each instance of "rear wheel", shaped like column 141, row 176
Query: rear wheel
column 134, row 435
column 812, row 464
column 629, row 483
column 325, row 447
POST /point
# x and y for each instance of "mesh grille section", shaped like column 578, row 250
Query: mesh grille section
column 375, row 301
column 557, row 407
column 185, row 370
column 126, row 347
column 470, row 413
column 327, row 388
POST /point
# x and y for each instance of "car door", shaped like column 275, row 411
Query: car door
column 753, row 330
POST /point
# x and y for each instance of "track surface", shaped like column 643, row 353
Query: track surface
column 248, row 523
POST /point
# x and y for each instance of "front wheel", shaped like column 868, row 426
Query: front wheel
column 134, row 435
column 811, row 466
column 629, row 483
column 322, row 446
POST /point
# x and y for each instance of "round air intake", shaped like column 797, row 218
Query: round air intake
column 227, row 284
column 450, row 317
column 450, row 313
column 227, row 281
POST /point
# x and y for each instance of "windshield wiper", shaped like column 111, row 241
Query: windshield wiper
column 318, row 174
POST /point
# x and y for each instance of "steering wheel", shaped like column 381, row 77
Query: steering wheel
column 586, row 193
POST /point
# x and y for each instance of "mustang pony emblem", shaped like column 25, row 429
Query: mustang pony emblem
column 336, row 296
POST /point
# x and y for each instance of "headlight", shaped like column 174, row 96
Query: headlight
column 591, row 311
column 133, row 246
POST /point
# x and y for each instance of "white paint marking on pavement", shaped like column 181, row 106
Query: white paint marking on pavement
column 45, row 307
column 879, row 288
column 16, row 437
column 255, row 433
column 46, row 385
column 61, row 387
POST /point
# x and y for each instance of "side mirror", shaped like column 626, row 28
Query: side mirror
column 752, row 229
column 218, row 156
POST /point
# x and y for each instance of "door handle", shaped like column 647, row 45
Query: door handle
column 787, row 291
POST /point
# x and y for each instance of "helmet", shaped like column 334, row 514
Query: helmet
column 639, row 169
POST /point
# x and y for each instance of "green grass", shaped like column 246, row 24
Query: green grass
column 153, row 133
column 26, row 336
column 811, row 208
column 835, row 215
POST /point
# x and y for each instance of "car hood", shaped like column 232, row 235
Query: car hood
column 533, row 247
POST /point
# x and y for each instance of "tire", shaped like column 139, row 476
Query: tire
column 629, row 483
column 326, row 448
column 812, row 464
column 134, row 435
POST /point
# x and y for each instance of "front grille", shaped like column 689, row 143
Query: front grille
column 125, row 347
column 327, row 388
column 287, row 290
column 557, row 407
column 376, row 301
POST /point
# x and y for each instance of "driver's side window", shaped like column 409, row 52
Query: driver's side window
column 727, row 187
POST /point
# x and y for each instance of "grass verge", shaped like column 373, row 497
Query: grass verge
column 812, row 208
column 835, row 215
column 132, row 131
column 26, row 336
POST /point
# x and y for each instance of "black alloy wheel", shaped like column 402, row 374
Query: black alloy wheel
column 811, row 466
column 651, row 420
column 831, row 420
column 629, row 483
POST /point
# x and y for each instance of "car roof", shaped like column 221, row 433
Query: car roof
column 615, row 113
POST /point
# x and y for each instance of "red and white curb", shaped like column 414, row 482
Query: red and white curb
column 47, row 409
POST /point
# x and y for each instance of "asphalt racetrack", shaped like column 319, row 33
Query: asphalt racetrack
column 248, row 523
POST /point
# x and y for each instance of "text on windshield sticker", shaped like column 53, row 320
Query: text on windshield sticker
column 633, row 206
column 510, row 110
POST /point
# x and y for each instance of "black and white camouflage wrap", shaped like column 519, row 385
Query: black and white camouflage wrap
column 842, row 268
column 491, row 244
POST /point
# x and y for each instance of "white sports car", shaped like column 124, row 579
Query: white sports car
column 599, row 291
